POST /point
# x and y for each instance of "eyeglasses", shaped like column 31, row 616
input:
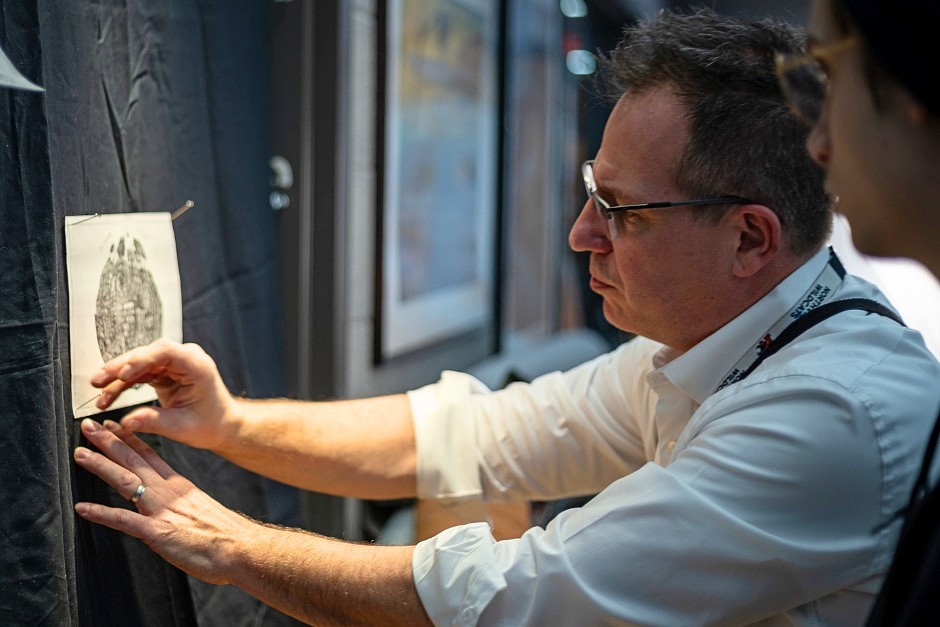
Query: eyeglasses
column 607, row 211
column 804, row 78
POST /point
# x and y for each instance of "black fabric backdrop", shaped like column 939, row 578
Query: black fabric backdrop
column 147, row 104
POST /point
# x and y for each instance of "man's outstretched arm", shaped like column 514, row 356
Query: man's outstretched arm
column 363, row 448
column 316, row 579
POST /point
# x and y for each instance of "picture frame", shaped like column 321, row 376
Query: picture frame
column 439, row 159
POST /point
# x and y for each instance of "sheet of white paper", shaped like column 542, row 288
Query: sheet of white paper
column 10, row 76
column 124, row 292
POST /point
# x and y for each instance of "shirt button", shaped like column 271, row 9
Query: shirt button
column 671, row 444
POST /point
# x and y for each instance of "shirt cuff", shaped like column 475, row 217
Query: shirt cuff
column 445, row 438
column 455, row 574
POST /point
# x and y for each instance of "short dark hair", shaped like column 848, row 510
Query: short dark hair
column 743, row 138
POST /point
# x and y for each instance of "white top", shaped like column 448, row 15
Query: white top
column 913, row 291
column 756, row 503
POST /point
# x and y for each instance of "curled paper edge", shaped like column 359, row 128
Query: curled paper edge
column 11, row 77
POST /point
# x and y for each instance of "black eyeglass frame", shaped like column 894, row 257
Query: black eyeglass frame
column 590, row 186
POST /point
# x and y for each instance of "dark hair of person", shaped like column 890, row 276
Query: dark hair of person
column 876, row 76
column 743, row 139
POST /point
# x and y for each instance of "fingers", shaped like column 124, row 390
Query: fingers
column 141, row 448
column 149, row 419
column 112, row 391
column 122, row 480
column 125, row 520
column 137, row 361
column 163, row 363
column 121, row 466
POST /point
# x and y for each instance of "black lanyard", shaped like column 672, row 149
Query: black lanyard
column 810, row 310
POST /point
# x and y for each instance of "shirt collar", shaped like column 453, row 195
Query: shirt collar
column 700, row 370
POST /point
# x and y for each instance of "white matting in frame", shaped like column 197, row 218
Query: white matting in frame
column 440, row 164
column 124, row 292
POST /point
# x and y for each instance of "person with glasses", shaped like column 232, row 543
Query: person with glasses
column 907, row 282
column 744, row 447
column 877, row 134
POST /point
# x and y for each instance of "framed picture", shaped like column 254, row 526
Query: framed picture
column 440, row 154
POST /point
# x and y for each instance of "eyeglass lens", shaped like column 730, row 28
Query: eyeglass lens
column 587, row 173
column 600, row 205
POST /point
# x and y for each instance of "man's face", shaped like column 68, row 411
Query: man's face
column 663, row 267
column 863, row 148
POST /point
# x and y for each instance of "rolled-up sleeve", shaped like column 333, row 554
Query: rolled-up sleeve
column 445, row 437
column 563, row 434
column 457, row 574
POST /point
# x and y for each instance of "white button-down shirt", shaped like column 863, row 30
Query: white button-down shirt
column 769, row 500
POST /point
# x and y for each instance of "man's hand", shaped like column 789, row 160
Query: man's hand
column 174, row 518
column 362, row 447
column 196, row 408
column 316, row 579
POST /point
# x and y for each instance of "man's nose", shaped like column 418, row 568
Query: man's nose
column 590, row 232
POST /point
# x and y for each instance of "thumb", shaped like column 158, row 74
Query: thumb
column 158, row 420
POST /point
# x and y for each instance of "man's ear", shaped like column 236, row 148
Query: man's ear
column 758, row 232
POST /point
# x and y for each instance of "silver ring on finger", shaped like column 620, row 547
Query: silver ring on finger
column 138, row 493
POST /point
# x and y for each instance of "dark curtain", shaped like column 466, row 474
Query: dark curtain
column 147, row 104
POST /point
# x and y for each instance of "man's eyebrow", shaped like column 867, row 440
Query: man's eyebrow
column 599, row 184
column 601, row 187
column 607, row 193
column 613, row 196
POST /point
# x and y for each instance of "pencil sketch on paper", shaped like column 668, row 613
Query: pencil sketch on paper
column 128, row 311
column 124, row 292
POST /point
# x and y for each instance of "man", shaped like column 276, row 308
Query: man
column 741, row 466
column 878, row 135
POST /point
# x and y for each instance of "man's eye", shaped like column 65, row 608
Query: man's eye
column 628, row 219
